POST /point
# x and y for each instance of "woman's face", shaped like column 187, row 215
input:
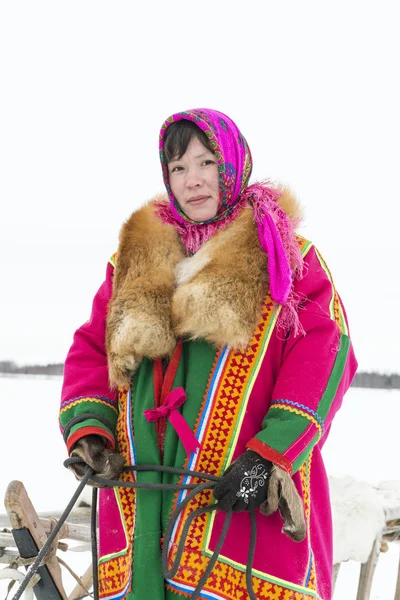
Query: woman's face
column 194, row 181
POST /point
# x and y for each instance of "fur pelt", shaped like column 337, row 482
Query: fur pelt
column 358, row 517
column 283, row 495
column 159, row 294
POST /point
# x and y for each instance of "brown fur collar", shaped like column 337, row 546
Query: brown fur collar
column 160, row 294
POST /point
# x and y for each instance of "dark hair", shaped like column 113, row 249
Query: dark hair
column 178, row 136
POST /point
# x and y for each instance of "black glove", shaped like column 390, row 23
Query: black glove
column 244, row 485
column 253, row 482
column 92, row 449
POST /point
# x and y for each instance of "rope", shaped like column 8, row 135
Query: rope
column 34, row 567
column 168, row 573
column 75, row 576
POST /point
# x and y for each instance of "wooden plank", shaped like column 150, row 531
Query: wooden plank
column 397, row 592
column 367, row 571
column 6, row 540
column 71, row 531
column 22, row 515
column 335, row 574
column 7, row 556
column 78, row 515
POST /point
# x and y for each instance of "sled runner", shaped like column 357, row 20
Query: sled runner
column 28, row 534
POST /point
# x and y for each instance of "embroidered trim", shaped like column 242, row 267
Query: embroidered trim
column 86, row 417
column 115, row 570
column 229, row 385
column 79, row 433
column 302, row 413
column 270, row 454
column 99, row 399
column 310, row 580
column 300, row 406
column 335, row 306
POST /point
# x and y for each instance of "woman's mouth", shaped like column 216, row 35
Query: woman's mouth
column 198, row 200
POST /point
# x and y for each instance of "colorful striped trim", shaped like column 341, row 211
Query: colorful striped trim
column 90, row 430
column 305, row 245
column 335, row 305
column 227, row 394
column 279, row 588
column 113, row 259
column 205, row 411
column 121, row 595
column 115, row 569
column 304, row 472
column 302, row 413
column 335, row 378
column 67, row 404
column 270, row 454
column 253, row 376
column 312, row 413
column 329, row 401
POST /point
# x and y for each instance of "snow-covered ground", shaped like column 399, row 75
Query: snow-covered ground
column 363, row 443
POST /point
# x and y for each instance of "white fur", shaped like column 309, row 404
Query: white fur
column 358, row 516
column 189, row 267
column 389, row 493
column 123, row 333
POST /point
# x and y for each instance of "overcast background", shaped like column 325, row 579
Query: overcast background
column 85, row 86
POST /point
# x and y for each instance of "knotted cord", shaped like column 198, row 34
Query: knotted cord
column 168, row 573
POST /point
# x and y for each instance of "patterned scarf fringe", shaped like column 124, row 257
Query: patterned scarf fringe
column 264, row 197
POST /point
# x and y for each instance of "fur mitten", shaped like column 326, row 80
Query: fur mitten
column 92, row 450
column 283, row 495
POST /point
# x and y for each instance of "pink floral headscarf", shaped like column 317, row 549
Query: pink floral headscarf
column 276, row 231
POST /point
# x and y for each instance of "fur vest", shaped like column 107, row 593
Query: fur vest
column 160, row 294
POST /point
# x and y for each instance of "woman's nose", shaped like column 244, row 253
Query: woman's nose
column 193, row 178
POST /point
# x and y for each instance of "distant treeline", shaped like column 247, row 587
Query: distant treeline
column 11, row 368
column 362, row 380
column 377, row 380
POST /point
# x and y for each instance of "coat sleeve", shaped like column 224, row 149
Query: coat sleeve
column 317, row 369
column 88, row 404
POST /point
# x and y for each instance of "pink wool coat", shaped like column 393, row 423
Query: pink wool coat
column 288, row 391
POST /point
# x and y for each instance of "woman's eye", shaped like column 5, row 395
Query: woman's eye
column 176, row 169
column 209, row 162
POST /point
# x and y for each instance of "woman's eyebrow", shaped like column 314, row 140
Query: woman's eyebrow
column 196, row 157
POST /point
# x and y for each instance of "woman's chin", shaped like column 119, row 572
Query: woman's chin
column 200, row 213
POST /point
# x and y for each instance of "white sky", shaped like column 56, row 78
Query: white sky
column 84, row 88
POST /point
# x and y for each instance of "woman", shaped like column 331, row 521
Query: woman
column 214, row 305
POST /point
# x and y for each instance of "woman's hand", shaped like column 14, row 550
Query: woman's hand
column 244, row 485
column 253, row 482
column 92, row 450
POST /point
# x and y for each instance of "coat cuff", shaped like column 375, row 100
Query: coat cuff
column 270, row 454
column 90, row 430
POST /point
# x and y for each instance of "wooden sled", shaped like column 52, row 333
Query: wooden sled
column 29, row 534
column 390, row 533
column 30, row 530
